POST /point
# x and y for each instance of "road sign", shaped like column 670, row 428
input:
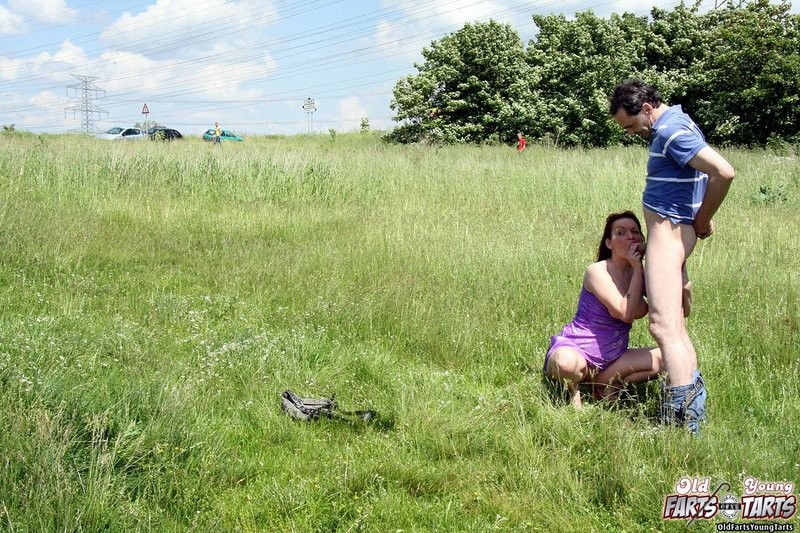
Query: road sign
column 309, row 107
column 145, row 111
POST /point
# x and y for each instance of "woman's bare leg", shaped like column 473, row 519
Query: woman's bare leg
column 567, row 365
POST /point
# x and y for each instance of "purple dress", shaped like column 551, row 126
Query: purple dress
column 597, row 335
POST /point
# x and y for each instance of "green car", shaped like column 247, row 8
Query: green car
column 226, row 136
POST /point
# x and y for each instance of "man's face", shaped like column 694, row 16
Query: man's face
column 638, row 124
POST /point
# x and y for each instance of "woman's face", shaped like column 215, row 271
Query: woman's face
column 624, row 232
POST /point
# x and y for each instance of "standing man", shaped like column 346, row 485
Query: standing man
column 687, row 180
column 217, row 134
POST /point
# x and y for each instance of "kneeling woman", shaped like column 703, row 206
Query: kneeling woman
column 594, row 346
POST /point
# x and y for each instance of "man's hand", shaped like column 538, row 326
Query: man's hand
column 704, row 231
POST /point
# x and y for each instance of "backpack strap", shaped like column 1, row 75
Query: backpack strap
column 354, row 416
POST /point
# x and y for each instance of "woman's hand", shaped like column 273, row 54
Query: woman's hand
column 634, row 255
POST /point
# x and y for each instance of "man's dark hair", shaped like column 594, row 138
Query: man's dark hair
column 630, row 95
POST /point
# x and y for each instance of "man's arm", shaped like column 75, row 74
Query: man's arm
column 720, row 175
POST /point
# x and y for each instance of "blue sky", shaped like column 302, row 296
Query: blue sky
column 249, row 64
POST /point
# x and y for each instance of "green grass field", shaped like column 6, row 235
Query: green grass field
column 156, row 299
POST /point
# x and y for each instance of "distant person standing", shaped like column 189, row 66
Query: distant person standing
column 687, row 180
column 521, row 143
column 217, row 134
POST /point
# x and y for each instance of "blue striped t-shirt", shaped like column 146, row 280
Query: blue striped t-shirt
column 674, row 190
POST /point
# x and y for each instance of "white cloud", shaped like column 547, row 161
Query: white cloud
column 425, row 22
column 446, row 12
column 48, row 99
column 68, row 53
column 351, row 111
column 45, row 65
column 47, row 11
column 10, row 23
column 184, row 26
column 10, row 69
column 126, row 75
column 389, row 37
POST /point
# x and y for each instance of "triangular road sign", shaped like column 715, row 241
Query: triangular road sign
column 145, row 110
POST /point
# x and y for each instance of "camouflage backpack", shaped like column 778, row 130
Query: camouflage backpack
column 315, row 408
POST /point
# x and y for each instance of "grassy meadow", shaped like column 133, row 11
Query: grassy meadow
column 156, row 299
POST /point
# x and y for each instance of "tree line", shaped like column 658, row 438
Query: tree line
column 736, row 70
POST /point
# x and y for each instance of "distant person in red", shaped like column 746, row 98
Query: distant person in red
column 521, row 143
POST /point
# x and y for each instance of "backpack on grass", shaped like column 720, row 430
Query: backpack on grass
column 316, row 408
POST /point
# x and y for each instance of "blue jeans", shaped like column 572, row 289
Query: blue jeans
column 685, row 405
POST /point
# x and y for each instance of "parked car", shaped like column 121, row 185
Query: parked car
column 127, row 134
column 226, row 135
column 164, row 134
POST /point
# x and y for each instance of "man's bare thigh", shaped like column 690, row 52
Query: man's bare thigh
column 668, row 247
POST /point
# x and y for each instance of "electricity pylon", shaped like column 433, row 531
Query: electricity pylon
column 84, row 92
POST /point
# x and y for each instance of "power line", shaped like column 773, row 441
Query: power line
column 326, row 37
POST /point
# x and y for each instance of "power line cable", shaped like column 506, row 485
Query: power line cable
column 300, row 70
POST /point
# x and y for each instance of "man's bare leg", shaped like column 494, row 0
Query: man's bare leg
column 669, row 245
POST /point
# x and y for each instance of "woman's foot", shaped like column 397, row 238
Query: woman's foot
column 575, row 401
column 609, row 392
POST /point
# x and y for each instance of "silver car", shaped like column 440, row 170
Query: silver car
column 127, row 134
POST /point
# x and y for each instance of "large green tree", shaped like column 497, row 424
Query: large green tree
column 747, row 87
column 473, row 86
column 736, row 70
column 576, row 61
column 676, row 50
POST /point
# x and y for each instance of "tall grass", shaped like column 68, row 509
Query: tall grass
column 158, row 297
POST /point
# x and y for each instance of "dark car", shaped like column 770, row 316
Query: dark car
column 164, row 134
